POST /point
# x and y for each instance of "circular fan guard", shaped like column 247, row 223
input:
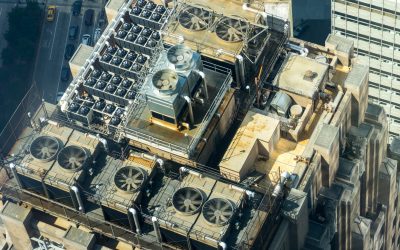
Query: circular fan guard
column 193, row 18
column 218, row 211
column 187, row 200
column 165, row 81
column 72, row 158
column 44, row 148
column 231, row 30
column 180, row 56
column 129, row 179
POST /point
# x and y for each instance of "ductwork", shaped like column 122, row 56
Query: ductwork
column 183, row 170
column 78, row 198
column 247, row 7
column 189, row 102
column 156, row 229
column 14, row 171
column 203, row 76
column 136, row 220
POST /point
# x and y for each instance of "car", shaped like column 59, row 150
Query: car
column 64, row 74
column 69, row 51
column 51, row 12
column 86, row 39
column 76, row 8
column 97, row 34
column 88, row 17
column 73, row 32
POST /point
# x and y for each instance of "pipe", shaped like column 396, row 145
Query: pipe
column 203, row 76
column 135, row 219
column 223, row 245
column 103, row 141
column 247, row 7
column 241, row 69
column 14, row 171
column 189, row 102
column 183, row 170
column 160, row 162
column 53, row 123
column 156, row 229
column 248, row 192
column 78, row 198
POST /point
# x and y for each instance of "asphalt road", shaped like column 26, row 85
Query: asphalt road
column 54, row 39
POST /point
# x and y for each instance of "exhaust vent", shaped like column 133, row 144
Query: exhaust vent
column 180, row 56
column 165, row 81
column 218, row 211
column 187, row 200
column 44, row 148
column 231, row 30
column 72, row 158
column 195, row 19
column 129, row 179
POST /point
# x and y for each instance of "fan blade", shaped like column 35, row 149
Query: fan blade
column 196, row 202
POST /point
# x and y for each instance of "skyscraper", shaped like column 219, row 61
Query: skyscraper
column 374, row 26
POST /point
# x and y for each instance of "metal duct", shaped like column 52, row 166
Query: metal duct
column 189, row 102
column 136, row 220
column 78, row 198
column 156, row 229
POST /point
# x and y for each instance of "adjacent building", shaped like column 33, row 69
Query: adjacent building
column 373, row 26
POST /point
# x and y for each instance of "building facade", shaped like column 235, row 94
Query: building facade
column 374, row 26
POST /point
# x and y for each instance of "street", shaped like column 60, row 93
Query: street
column 50, row 58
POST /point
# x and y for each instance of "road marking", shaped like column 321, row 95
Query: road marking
column 54, row 36
column 62, row 58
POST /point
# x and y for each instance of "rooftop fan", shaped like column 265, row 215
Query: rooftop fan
column 105, row 76
column 155, row 17
column 141, row 40
column 131, row 37
column 119, row 112
column 180, row 56
column 101, row 85
column 131, row 56
column 96, row 73
column 131, row 95
column 218, row 211
column 146, row 32
column 126, row 64
column 151, row 43
column 111, row 88
column 136, row 29
column 155, row 35
column 120, row 92
column 146, row 13
column 115, row 120
column 160, row 9
column 187, row 200
column 141, row 3
column 72, row 158
column 106, row 57
column 91, row 81
column 129, row 179
column 116, row 79
column 121, row 52
column 84, row 110
column 136, row 67
column 122, row 33
column 44, row 148
column 73, row 107
column 111, row 49
column 126, row 83
column 116, row 61
column 141, row 59
column 151, row 5
column 231, row 30
column 165, row 80
column 193, row 18
column 109, row 108
column 127, row 26
column 100, row 104
column 136, row 10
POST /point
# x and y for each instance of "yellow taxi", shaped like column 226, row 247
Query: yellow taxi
column 51, row 12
